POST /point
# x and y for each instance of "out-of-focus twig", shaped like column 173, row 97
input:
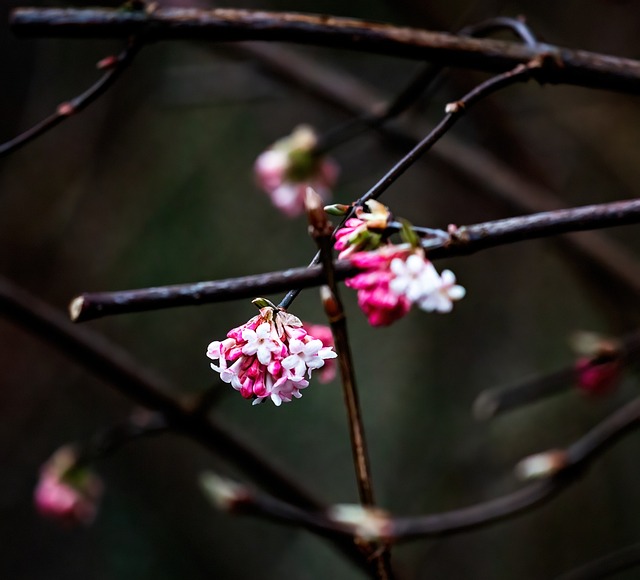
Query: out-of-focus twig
column 493, row 402
column 115, row 66
column 521, row 73
column 464, row 240
column 344, row 92
column 417, row 85
column 227, row 25
column 568, row 465
column 108, row 361
column 606, row 566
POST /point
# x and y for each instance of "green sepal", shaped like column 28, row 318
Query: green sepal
column 337, row 209
column 408, row 235
column 264, row 303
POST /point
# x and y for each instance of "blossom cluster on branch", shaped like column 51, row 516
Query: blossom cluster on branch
column 269, row 357
column 395, row 276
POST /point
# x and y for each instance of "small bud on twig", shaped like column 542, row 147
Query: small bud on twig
column 541, row 465
column 371, row 524
column 107, row 62
column 226, row 495
column 337, row 209
column 319, row 224
column 66, row 109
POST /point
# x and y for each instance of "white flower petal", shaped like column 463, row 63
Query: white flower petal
column 457, row 292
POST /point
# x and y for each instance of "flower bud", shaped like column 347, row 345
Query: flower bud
column 67, row 493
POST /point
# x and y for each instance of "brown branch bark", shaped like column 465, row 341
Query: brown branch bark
column 466, row 240
column 349, row 95
column 321, row 230
column 575, row 67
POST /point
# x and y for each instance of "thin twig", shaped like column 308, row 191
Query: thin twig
column 572, row 463
column 454, row 111
column 104, row 443
column 349, row 95
column 108, row 361
column 321, row 229
column 494, row 402
column 467, row 240
column 605, row 566
column 225, row 25
column 522, row 72
column 416, row 86
column 115, row 65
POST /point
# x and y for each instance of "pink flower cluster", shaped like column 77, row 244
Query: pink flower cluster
column 289, row 166
column 270, row 357
column 397, row 276
column 359, row 234
column 67, row 493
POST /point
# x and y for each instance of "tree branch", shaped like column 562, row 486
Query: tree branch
column 225, row 25
column 321, row 231
column 108, row 361
column 351, row 96
column 493, row 402
column 571, row 463
column 466, row 240
column 115, row 66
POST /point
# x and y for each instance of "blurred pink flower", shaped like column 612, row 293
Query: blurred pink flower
column 597, row 377
column 270, row 357
column 67, row 493
column 289, row 166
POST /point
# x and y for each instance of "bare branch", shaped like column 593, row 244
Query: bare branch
column 417, row 85
column 574, row 460
column 605, row 566
column 454, row 111
column 225, row 25
column 321, row 231
column 466, row 240
column 493, row 402
column 108, row 361
column 115, row 66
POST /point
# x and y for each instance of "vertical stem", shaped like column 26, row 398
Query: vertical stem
column 321, row 230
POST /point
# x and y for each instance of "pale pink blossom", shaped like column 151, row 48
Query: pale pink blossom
column 394, row 278
column 322, row 332
column 306, row 356
column 442, row 297
column 67, row 493
column 418, row 280
column 290, row 166
column 270, row 357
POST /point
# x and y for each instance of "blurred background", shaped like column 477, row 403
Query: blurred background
column 152, row 185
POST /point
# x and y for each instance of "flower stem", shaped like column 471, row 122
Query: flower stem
column 321, row 230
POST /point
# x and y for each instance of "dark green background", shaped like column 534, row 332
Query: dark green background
column 152, row 185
